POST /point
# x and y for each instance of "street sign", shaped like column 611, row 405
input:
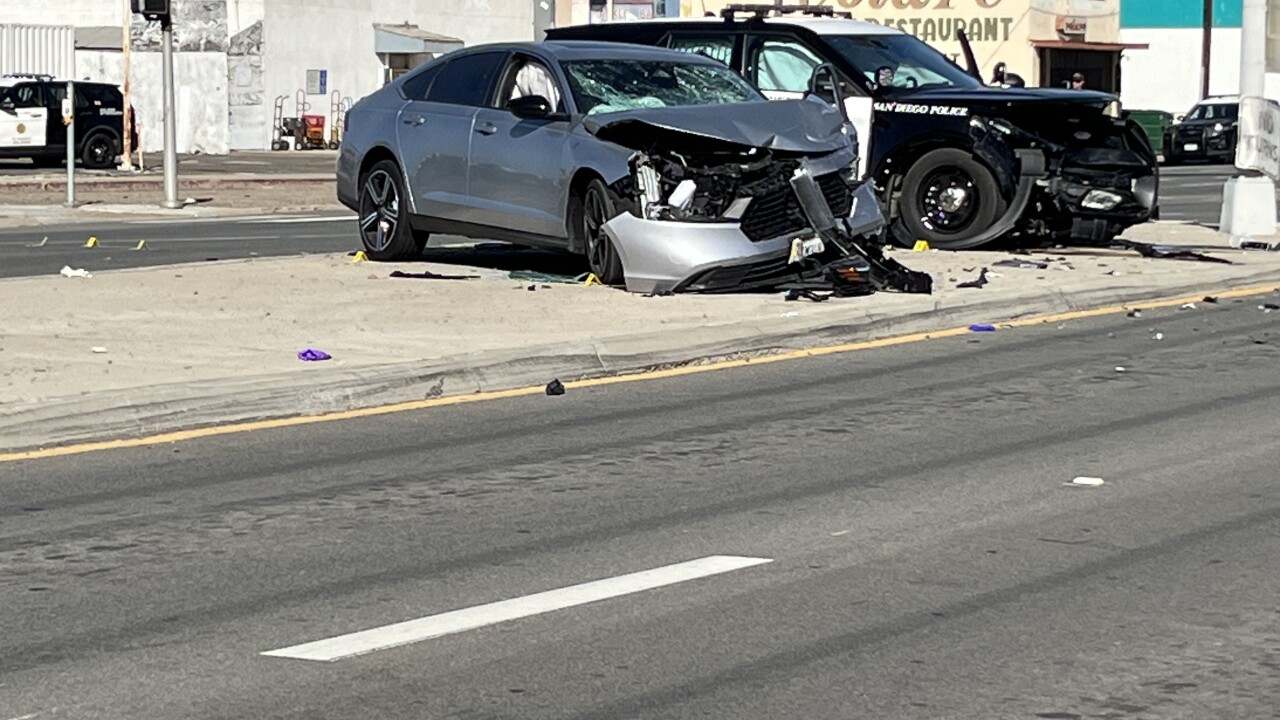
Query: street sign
column 1259, row 145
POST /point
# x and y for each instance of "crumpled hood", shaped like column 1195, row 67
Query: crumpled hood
column 808, row 126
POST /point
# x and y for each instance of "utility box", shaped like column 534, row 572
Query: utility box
column 38, row 50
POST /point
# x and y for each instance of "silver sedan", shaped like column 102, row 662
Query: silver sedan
column 667, row 170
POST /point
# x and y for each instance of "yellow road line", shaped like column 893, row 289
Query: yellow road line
column 240, row 427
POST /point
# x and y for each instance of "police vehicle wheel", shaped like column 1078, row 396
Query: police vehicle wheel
column 99, row 152
column 948, row 198
column 384, row 216
column 590, row 210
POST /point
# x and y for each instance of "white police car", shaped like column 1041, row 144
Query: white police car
column 31, row 121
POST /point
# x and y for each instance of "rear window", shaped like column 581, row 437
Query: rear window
column 467, row 80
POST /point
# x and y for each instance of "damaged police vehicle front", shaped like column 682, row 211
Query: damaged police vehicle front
column 668, row 171
column 955, row 163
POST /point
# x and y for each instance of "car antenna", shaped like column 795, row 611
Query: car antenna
column 969, row 59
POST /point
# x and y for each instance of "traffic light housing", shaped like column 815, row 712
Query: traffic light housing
column 153, row 9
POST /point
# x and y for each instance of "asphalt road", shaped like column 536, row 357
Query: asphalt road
column 925, row 558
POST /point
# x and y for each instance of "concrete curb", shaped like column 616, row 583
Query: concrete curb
column 150, row 410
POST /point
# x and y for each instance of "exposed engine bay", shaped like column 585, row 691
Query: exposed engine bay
column 743, row 217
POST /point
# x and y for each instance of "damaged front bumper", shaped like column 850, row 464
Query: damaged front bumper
column 1089, row 185
column 662, row 256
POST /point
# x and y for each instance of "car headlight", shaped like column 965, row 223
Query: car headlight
column 1217, row 129
column 1100, row 200
column 1112, row 109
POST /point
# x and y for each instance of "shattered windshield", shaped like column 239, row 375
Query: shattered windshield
column 910, row 62
column 601, row 86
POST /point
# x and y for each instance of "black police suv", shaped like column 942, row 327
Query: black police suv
column 956, row 163
column 31, row 123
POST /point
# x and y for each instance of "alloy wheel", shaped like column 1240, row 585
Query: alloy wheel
column 379, row 210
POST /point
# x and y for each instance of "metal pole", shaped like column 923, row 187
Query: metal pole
column 1206, row 44
column 126, row 44
column 170, row 123
column 1249, row 198
column 69, row 108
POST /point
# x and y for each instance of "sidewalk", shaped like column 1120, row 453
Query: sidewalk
column 254, row 181
column 185, row 346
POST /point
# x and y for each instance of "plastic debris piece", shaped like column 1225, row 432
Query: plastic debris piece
column 796, row 294
column 359, row 256
column 1121, row 368
column 982, row 327
column 92, row 241
column 141, row 244
column 1168, row 252
column 791, row 314
column 1158, row 336
column 42, row 243
column 1210, row 300
column 555, row 387
column 313, row 355
column 532, row 288
column 97, row 349
column 1188, row 306
column 1135, row 313
column 428, row 275
column 1269, row 306
column 70, row 272
column 921, row 246
column 1087, row 481
column 976, row 282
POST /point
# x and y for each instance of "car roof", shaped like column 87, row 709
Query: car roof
column 818, row 25
column 1221, row 100
column 592, row 50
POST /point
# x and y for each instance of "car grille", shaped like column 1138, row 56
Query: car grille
column 775, row 210
column 1193, row 134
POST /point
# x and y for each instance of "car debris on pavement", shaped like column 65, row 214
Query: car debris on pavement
column 313, row 355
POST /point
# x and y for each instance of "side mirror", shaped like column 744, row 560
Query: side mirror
column 1179, row 117
column 530, row 107
column 825, row 84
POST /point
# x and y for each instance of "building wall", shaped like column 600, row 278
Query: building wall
column 1167, row 76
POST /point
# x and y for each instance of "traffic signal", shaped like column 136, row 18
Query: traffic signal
column 153, row 9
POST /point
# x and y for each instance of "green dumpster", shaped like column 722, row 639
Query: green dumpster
column 1154, row 122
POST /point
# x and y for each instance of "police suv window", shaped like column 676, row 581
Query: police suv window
column 22, row 96
column 718, row 48
column 781, row 64
column 466, row 80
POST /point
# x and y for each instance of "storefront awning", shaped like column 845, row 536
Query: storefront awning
column 411, row 39
column 1082, row 45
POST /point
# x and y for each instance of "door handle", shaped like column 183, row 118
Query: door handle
column 415, row 121
column 487, row 129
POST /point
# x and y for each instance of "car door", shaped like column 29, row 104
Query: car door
column 517, row 164
column 434, row 132
column 23, row 119
column 781, row 67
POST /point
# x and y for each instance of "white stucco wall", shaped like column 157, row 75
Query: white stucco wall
column 1166, row 76
column 200, row 97
column 82, row 13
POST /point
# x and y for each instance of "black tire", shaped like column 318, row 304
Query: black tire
column 333, row 145
column 590, row 210
column 383, row 219
column 948, row 199
column 99, row 151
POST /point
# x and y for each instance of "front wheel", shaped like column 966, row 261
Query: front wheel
column 949, row 199
column 594, row 209
column 384, row 216
column 99, row 152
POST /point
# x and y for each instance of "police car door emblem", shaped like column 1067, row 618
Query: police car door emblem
column 21, row 128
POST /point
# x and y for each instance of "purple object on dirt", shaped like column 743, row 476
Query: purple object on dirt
column 312, row 354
